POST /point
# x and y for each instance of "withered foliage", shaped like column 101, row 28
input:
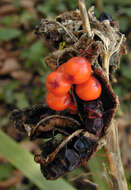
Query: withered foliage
column 81, row 131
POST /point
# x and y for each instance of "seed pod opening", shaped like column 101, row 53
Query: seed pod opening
column 97, row 114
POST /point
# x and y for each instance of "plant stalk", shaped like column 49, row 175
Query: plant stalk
column 105, row 63
column 84, row 17
column 112, row 149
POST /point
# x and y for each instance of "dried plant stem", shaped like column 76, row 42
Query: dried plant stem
column 113, row 155
column 112, row 168
column 84, row 17
column 112, row 149
column 105, row 63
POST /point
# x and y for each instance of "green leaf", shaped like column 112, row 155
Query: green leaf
column 126, row 71
column 96, row 168
column 125, row 10
column 33, row 56
column 4, row 121
column 8, row 91
column 119, row 2
column 27, row 16
column 9, row 20
column 123, row 24
column 24, row 161
column 119, row 90
column 9, row 33
column 21, row 100
column 45, row 9
column 13, row 188
column 5, row 171
column 36, row 50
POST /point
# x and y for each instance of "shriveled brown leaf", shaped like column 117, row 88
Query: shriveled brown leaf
column 22, row 76
column 3, row 54
column 9, row 66
column 7, row 9
column 27, row 3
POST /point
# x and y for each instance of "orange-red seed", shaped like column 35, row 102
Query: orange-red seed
column 89, row 90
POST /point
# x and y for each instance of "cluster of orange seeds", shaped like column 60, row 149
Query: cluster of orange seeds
column 76, row 71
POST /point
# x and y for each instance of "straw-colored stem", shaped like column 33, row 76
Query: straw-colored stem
column 112, row 149
column 84, row 17
column 105, row 63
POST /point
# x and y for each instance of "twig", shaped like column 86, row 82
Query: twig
column 84, row 17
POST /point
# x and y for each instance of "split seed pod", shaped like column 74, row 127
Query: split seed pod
column 79, row 141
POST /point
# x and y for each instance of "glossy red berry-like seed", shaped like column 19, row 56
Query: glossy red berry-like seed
column 89, row 90
column 72, row 107
column 56, row 84
column 61, row 68
column 77, row 70
column 58, row 103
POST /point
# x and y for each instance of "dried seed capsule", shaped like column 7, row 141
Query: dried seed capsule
column 68, row 155
column 95, row 126
column 103, row 107
column 29, row 116
column 53, row 124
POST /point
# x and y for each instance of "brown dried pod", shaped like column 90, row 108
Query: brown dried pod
column 72, row 150
column 108, row 98
column 20, row 119
column 54, row 33
column 68, row 29
column 80, row 132
column 40, row 121
column 92, row 51
column 70, row 153
column 69, row 15
column 55, row 59
column 103, row 108
column 86, row 127
column 51, row 125
column 85, row 47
